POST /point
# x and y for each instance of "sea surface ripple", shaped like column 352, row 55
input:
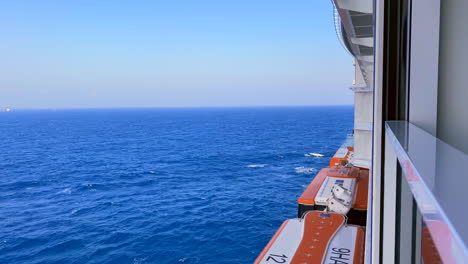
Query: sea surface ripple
column 188, row 185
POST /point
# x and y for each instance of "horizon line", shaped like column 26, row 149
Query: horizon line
column 171, row 107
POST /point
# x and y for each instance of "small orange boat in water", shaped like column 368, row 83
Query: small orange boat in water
column 316, row 238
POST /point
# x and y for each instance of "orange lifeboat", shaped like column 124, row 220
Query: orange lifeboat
column 317, row 238
column 341, row 156
column 340, row 189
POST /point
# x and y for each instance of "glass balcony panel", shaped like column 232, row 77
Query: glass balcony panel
column 429, row 251
column 438, row 179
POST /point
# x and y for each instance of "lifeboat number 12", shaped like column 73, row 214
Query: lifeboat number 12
column 277, row 258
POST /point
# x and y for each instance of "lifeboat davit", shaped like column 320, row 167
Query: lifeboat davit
column 338, row 189
column 318, row 237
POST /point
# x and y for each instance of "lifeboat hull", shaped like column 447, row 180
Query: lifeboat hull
column 317, row 238
column 341, row 157
column 313, row 198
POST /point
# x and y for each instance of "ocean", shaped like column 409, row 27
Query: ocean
column 168, row 185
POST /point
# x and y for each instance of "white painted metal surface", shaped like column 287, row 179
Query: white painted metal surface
column 372, row 252
column 363, row 100
column 338, row 206
column 362, row 148
column 343, row 194
column 286, row 244
column 341, row 200
column 342, row 247
column 364, row 6
column 341, row 153
column 368, row 42
column 326, row 190
column 424, row 64
column 389, row 209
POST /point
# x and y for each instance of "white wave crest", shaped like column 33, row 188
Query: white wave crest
column 305, row 170
column 256, row 166
column 65, row 191
column 313, row 155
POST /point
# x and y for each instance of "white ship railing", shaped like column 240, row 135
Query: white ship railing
column 338, row 27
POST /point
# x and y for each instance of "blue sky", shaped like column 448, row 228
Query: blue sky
column 87, row 54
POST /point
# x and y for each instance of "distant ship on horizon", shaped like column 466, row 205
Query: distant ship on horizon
column 6, row 109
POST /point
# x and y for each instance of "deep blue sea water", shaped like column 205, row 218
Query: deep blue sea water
column 194, row 185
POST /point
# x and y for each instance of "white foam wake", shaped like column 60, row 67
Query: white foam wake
column 66, row 191
column 305, row 170
column 313, row 154
column 256, row 166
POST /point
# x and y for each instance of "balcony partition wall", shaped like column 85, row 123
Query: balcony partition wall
column 419, row 182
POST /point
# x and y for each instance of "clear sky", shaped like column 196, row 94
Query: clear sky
column 74, row 54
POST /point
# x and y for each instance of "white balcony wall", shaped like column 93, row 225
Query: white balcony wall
column 363, row 107
column 362, row 148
